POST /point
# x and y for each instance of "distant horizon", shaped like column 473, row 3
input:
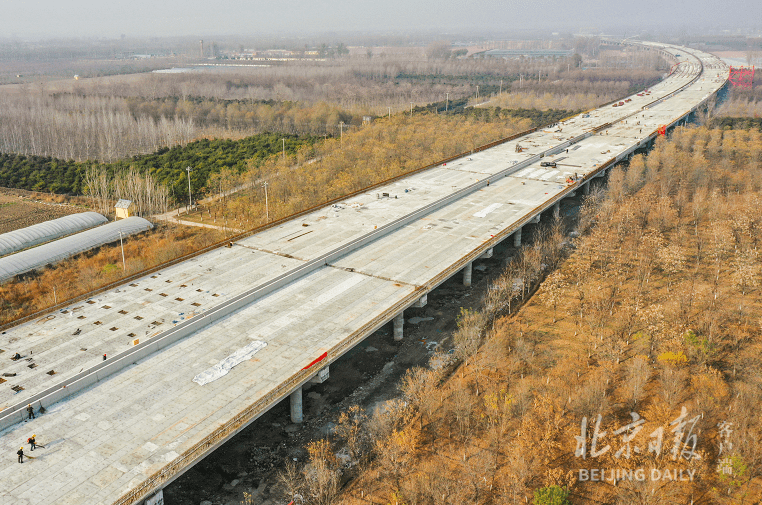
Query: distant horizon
column 422, row 36
column 90, row 19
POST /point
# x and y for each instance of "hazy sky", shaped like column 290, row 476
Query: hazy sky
column 109, row 18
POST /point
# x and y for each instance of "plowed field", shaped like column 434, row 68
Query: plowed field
column 18, row 213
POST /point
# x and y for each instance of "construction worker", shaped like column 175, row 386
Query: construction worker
column 30, row 411
column 104, row 356
column 32, row 442
column 20, row 452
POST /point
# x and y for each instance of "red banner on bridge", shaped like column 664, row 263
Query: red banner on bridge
column 321, row 358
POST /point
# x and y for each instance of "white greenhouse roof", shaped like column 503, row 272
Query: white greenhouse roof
column 69, row 246
column 49, row 230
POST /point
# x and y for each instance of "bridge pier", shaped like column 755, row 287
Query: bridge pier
column 399, row 323
column 556, row 209
column 467, row 274
column 517, row 238
column 586, row 188
column 297, row 414
column 487, row 254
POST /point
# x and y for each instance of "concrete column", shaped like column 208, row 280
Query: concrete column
column 467, row 274
column 399, row 323
column 586, row 188
column 297, row 415
column 556, row 209
column 517, row 238
column 487, row 254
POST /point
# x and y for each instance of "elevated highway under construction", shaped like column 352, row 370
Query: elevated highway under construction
column 142, row 381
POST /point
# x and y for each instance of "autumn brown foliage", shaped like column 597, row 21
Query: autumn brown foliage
column 654, row 320
column 114, row 117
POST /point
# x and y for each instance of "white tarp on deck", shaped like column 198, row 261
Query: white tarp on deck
column 223, row 367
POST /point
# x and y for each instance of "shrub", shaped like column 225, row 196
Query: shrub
column 551, row 495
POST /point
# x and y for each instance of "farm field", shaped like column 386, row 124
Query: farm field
column 17, row 212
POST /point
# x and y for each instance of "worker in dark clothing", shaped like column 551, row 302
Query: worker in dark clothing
column 20, row 452
column 104, row 356
column 16, row 357
column 30, row 411
column 32, row 442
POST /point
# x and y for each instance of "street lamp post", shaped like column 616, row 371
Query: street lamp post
column 267, row 204
column 190, row 199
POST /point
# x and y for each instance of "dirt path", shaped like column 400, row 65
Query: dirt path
column 175, row 216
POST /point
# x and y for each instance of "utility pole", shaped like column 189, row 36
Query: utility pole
column 477, row 93
column 267, row 204
column 390, row 112
column 501, row 86
column 284, row 151
column 121, row 243
column 521, row 77
column 341, row 127
column 411, row 109
column 447, row 102
column 190, row 200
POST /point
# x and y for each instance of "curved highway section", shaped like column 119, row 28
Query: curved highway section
column 199, row 350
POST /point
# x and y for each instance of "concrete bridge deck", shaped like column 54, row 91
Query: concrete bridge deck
column 129, row 434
